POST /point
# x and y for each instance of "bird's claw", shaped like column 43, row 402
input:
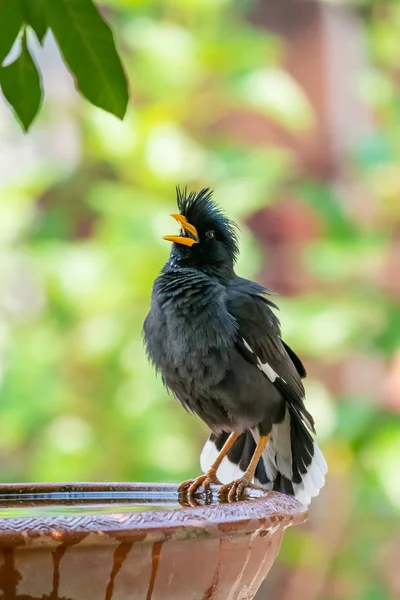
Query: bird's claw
column 191, row 486
column 234, row 490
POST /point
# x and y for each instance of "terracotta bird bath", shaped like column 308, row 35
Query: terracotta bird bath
column 136, row 542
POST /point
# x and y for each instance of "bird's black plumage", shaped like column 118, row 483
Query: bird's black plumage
column 217, row 344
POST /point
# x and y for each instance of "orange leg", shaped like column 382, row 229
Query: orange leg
column 236, row 488
column 192, row 485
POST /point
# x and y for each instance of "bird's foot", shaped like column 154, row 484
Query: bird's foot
column 234, row 490
column 191, row 486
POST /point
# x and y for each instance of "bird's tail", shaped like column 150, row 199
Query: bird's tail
column 292, row 462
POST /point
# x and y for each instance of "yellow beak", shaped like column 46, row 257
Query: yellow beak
column 186, row 226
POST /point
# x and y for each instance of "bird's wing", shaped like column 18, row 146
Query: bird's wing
column 259, row 341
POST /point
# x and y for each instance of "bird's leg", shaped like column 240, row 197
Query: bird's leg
column 236, row 488
column 192, row 485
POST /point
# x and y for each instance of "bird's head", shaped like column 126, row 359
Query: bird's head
column 208, row 239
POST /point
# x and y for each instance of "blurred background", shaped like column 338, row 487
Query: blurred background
column 290, row 110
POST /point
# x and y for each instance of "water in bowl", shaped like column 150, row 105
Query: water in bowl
column 40, row 504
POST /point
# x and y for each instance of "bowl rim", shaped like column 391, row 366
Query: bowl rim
column 261, row 510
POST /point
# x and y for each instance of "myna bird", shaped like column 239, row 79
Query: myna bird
column 217, row 344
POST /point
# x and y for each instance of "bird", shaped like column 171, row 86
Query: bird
column 216, row 341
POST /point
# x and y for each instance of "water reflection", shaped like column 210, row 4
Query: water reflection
column 56, row 510
column 83, row 503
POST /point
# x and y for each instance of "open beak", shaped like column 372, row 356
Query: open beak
column 186, row 226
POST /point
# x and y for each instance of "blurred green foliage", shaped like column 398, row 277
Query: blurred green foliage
column 80, row 241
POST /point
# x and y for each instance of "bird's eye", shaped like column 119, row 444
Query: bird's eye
column 210, row 235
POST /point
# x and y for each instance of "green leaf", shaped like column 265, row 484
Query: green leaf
column 87, row 45
column 33, row 12
column 21, row 85
column 10, row 24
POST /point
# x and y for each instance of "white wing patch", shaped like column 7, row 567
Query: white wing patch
column 270, row 373
column 264, row 367
column 247, row 346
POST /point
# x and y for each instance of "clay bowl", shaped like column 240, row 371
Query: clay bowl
column 136, row 542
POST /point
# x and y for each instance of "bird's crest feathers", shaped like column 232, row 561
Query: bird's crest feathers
column 201, row 211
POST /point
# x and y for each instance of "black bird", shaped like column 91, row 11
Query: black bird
column 217, row 344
